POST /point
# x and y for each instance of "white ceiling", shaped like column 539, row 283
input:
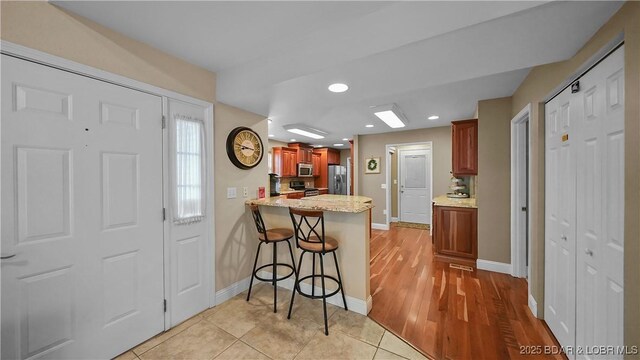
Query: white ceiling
column 277, row 58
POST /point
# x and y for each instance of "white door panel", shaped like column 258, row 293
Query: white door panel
column 190, row 275
column 415, row 186
column 81, row 209
column 584, row 277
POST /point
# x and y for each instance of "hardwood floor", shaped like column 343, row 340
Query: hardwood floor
column 449, row 313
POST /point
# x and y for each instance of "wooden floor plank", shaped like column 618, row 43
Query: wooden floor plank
column 446, row 312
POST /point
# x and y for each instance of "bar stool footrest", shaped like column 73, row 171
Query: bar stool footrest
column 329, row 277
column 288, row 266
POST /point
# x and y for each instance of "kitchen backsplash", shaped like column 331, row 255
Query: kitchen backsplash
column 284, row 182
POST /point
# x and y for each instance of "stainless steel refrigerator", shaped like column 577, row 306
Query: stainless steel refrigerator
column 337, row 180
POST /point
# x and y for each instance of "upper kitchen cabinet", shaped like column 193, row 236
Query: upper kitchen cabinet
column 316, row 161
column 464, row 147
column 305, row 152
column 333, row 157
column 285, row 161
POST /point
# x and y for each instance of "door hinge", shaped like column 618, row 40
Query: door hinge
column 164, row 122
column 164, row 214
column 165, row 305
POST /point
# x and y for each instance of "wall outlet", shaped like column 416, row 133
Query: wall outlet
column 384, row 212
column 245, row 191
column 395, row 182
column 231, row 193
column 383, row 186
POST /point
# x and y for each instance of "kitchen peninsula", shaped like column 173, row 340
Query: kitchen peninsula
column 347, row 220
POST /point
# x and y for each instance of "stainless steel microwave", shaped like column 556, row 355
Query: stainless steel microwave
column 305, row 170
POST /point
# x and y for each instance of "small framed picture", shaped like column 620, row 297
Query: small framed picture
column 372, row 165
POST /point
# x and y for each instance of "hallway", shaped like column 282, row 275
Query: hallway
column 447, row 312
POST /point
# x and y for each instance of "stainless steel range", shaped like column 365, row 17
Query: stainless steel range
column 311, row 192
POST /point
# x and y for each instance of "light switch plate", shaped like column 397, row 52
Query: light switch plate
column 231, row 193
column 383, row 186
column 384, row 212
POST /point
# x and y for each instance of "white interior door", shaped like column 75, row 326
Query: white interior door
column 560, row 240
column 189, row 245
column 415, row 186
column 81, row 211
column 600, row 206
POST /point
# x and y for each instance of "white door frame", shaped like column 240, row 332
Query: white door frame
column 43, row 58
column 427, row 144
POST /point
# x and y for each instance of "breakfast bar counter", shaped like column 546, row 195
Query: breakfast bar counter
column 346, row 219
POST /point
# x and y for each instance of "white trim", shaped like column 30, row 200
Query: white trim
column 533, row 305
column 394, row 219
column 428, row 145
column 518, row 252
column 231, row 291
column 493, row 266
column 26, row 53
column 380, row 226
column 356, row 305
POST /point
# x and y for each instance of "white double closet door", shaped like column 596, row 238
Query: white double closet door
column 82, row 218
column 584, row 217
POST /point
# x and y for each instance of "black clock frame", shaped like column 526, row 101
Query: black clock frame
column 232, row 154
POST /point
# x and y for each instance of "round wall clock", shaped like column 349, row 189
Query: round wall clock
column 244, row 148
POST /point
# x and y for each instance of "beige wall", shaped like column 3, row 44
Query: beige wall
column 494, row 180
column 374, row 145
column 42, row 26
column 236, row 240
column 539, row 84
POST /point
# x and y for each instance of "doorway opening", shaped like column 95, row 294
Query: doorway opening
column 409, row 184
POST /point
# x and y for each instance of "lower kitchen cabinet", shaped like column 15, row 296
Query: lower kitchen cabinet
column 455, row 234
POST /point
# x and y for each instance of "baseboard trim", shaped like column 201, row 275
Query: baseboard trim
column 232, row 290
column 533, row 305
column 394, row 219
column 380, row 226
column 493, row 266
column 356, row 305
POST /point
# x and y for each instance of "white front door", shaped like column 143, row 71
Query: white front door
column 560, row 244
column 415, row 186
column 189, row 249
column 600, row 224
column 82, row 213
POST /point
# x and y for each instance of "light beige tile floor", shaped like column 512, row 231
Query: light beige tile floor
column 238, row 329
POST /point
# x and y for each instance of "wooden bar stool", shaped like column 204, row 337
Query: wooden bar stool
column 271, row 236
column 308, row 227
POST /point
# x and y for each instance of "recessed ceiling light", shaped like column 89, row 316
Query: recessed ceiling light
column 345, row 139
column 305, row 131
column 338, row 144
column 292, row 140
column 369, row 126
column 271, row 135
column 433, row 117
column 338, row 87
column 317, row 145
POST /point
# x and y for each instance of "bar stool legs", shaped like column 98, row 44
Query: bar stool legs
column 274, row 271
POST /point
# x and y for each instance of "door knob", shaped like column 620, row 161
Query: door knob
column 588, row 252
column 563, row 238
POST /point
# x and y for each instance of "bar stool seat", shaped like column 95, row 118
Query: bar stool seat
column 274, row 235
column 315, row 244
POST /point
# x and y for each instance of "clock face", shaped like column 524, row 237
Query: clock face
column 244, row 148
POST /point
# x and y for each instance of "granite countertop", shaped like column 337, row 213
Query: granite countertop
column 443, row 200
column 335, row 203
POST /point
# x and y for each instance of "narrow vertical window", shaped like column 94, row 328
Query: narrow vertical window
column 189, row 170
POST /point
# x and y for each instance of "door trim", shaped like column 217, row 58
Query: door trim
column 33, row 55
column 518, row 251
column 387, row 177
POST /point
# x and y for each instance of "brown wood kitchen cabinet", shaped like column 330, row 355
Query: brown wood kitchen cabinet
column 316, row 161
column 326, row 157
column 305, row 152
column 455, row 234
column 464, row 136
column 285, row 161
